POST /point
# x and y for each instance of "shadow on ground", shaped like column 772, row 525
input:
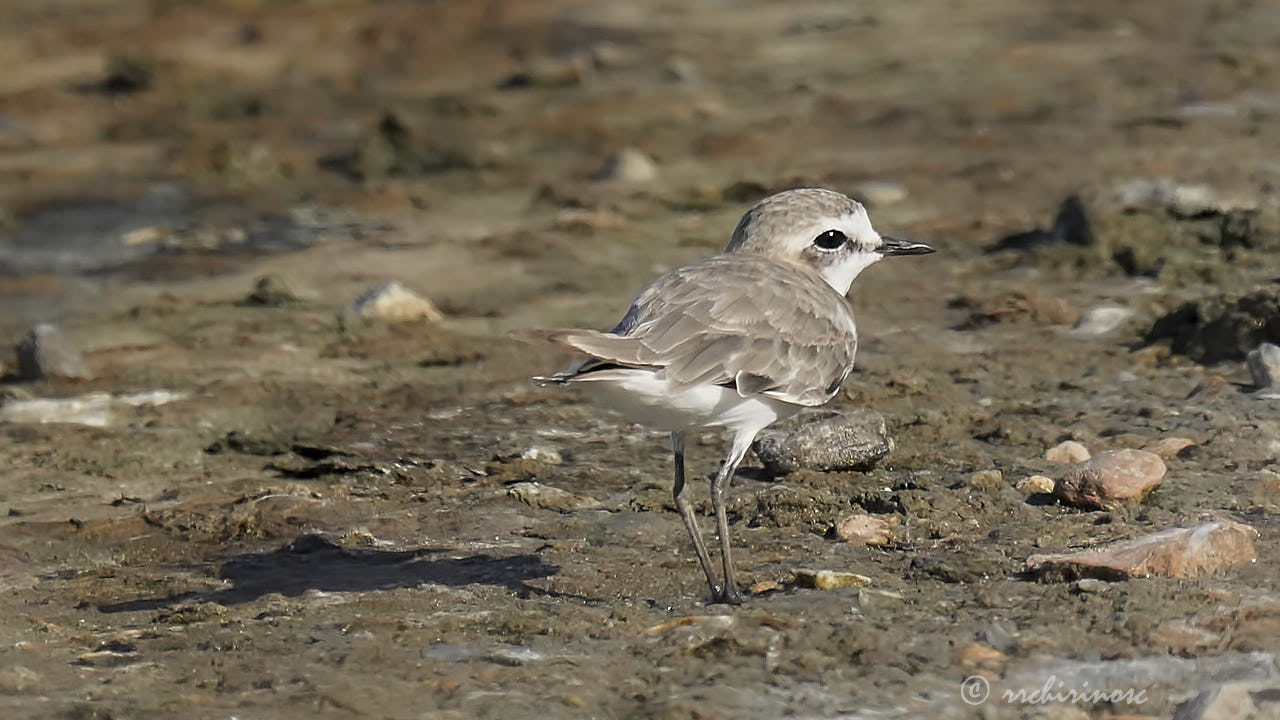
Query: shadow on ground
column 312, row 562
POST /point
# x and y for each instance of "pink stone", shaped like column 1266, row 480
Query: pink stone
column 1179, row 553
column 1111, row 478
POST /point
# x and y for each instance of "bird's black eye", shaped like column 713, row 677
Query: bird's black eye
column 830, row 240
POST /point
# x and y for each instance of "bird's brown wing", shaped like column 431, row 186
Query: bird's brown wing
column 766, row 327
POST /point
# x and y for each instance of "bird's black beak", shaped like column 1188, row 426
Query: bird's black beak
column 894, row 246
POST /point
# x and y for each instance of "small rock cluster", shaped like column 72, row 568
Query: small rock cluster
column 1106, row 480
column 1110, row 479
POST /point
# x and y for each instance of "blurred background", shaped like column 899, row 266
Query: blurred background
column 258, row 259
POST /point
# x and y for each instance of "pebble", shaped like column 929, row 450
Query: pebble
column 549, row 456
column 628, row 165
column 47, row 352
column 548, row 72
column 271, row 291
column 824, row 440
column 1171, row 446
column 392, row 302
column 1188, row 201
column 606, row 55
column 880, row 193
column 1264, row 365
column 1090, row 585
column 1182, row 200
column 514, row 656
column 979, row 655
column 864, row 529
column 1035, row 485
column 1111, row 478
column 1101, row 320
column 985, row 480
column 1179, row 553
column 764, row 586
column 681, row 69
column 535, row 494
column 829, row 579
column 1068, row 452
column 106, row 659
column 1181, row 637
column 1231, row 701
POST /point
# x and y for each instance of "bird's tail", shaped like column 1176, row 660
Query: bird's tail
column 600, row 346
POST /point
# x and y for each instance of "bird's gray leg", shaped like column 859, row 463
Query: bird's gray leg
column 686, row 513
column 719, row 485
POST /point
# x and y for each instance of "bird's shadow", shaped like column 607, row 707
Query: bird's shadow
column 312, row 562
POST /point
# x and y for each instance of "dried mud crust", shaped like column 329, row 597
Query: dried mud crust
column 342, row 519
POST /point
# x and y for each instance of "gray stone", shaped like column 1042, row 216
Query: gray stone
column 551, row 498
column 1181, row 200
column 271, row 291
column 824, row 440
column 47, row 352
column 1232, row 701
column 547, row 455
column 1153, row 676
column 549, row 72
column 681, row 69
column 628, row 165
column 1100, row 321
column 864, row 529
column 391, row 302
column 1264, row 365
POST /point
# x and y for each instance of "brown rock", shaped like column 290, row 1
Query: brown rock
column 1111, row 478
column 764, row 586
column 1069, row 452
column 1180, row 553
column 979, row 655
column 1171, row 446
column 863, row 529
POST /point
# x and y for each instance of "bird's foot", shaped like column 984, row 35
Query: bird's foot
column 728, row 595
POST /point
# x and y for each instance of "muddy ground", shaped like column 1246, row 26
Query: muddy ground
column 319, row 523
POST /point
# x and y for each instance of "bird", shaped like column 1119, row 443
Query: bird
column 735, row 341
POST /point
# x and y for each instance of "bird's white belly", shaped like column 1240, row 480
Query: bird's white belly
column 642, row 397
